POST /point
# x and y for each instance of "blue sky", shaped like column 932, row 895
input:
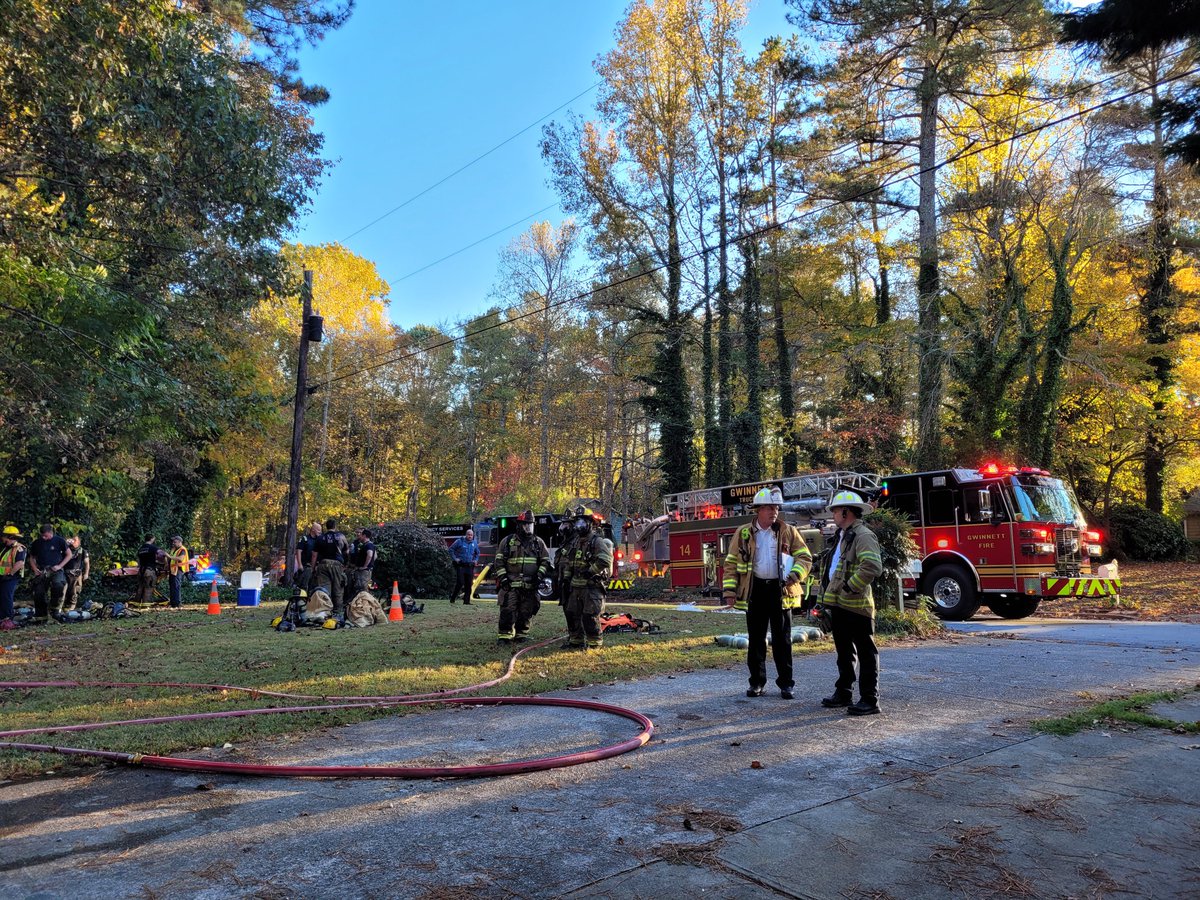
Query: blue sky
column 418, row 90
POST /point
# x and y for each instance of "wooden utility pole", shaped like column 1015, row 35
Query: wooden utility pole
column 301, row 402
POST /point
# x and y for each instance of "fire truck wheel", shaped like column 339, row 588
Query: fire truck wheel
column 953, row 592
column 1014, row 607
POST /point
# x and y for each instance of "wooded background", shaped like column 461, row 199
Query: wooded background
column 911, row 234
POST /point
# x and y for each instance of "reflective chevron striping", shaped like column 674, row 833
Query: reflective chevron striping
column 620, row 584
column 1083, row 587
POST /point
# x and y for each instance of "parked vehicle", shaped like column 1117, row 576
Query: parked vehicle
column 1006, row 536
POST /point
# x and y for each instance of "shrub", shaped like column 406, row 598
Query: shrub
column 919, row 622
column 415, row 557
column 896, row 547
column 1138, row 533
column 644, row 588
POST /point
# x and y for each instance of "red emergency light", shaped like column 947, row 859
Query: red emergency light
column 943, row 543
column 996, row 469
column 620, row 554
column 637, row 555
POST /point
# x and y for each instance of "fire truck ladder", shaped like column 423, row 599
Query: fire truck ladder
column 812, row 489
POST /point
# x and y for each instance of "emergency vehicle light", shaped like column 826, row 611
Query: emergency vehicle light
column 619, row 554
column 996, row 469
column 637, row 555
column 943, row 543
column 503, row 523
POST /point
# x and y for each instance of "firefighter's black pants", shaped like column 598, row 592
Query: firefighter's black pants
column 852, row 638
column 766, row 609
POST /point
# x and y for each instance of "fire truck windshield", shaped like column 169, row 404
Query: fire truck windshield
column 1041, row 499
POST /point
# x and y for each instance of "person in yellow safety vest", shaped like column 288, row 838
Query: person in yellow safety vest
column 177, row 566
column 522, row 561
column 12, row 567
column 764, row 574
column 585, row 573
column 854, row 564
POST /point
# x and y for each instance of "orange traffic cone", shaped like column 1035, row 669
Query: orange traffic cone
column 396, row 613
column 214, row 601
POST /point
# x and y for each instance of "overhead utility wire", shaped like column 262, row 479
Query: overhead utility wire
column 476, row 243
column 971, row 151
column 468, row 165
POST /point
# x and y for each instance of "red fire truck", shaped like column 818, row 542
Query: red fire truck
column 1005, row 536
column 701, row 523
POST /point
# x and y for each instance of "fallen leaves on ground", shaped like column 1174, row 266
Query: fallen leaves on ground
column 1165, row 591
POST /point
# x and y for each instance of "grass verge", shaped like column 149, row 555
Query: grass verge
column 1128, row 710
column 444, row 647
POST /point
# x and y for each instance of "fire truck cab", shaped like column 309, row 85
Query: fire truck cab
column 1005, row 536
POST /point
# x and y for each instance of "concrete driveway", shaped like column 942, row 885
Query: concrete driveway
column 947, row 794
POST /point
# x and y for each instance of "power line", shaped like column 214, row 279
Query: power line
column 468, row 165
column 477, row 243
column 971, row 150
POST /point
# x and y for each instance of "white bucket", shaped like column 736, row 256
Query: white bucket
column 252, row 580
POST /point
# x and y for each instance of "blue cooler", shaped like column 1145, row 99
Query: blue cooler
column 250, row 589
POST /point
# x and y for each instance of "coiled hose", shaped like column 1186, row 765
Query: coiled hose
column 447, row 697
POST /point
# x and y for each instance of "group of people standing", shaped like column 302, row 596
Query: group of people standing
column 581, row 569
column 765, row 573
column 327, row 561
column 59, row 568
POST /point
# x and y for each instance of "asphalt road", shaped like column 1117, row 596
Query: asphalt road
column 948, row 794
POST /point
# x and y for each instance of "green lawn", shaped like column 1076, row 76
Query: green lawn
column 444, row 647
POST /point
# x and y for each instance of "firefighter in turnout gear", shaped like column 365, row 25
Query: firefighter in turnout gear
column 765, row 574
column 855, row 563
column 522, row 561
column 585, row 572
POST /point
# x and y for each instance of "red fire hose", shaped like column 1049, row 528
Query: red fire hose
column 291, row 771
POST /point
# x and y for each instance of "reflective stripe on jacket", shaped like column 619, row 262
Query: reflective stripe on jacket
column 524, row 563
column 738, row 570
column 589, row 561
column 860, row 563
column 8, row 560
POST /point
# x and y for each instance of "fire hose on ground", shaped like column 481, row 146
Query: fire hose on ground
column 217, row 767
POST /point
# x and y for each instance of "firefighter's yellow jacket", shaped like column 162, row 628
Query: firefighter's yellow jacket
column 859, row 563
column 739, row 565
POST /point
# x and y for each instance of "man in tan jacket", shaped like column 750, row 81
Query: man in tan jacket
column 854, row 564
column 764, row 574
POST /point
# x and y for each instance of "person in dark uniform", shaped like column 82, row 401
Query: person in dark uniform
column 522, row 561
column 465, row 553
column 330, row 572
column 147, row 559
column 585, row 573
column 78, row 570
column 306, row 557
column 48, row 557
column 362, row 558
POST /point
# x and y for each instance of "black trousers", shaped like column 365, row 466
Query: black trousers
column 766, row 609
column 464, row 577
column 852, row 638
